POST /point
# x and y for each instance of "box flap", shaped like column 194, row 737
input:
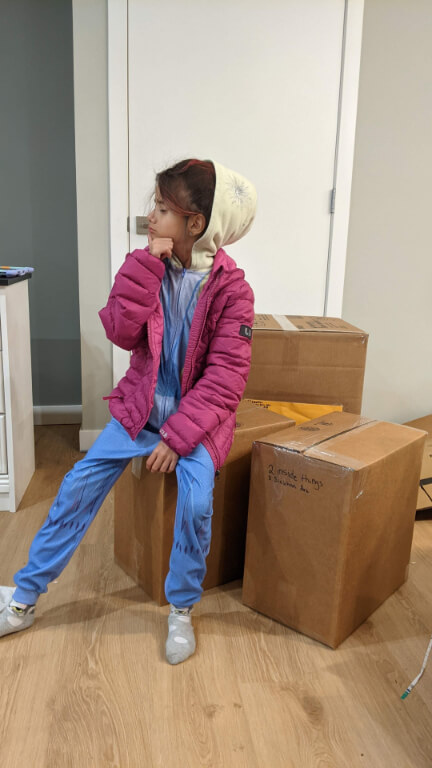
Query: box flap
column 252, row 423
column 365, row 445
column 304, row 436
column 250, row 417
column 304, row 323
column 424, row 423
column 424, row 499
column 345, row 439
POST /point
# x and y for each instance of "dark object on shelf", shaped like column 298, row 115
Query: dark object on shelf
column 10, row 280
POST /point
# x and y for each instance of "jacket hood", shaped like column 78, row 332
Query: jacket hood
column 233, row 212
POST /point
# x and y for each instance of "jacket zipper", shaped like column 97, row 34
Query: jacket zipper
column 173, row 336
column 215, row 451
column 152, row 350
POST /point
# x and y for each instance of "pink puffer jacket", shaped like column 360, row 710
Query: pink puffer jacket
column 217, row 359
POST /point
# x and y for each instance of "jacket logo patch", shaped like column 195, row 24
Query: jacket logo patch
column 246, row 331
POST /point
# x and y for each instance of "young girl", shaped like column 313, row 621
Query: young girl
column 184, row 310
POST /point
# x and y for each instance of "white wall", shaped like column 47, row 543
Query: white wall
column 91, row 143
column 388, row 283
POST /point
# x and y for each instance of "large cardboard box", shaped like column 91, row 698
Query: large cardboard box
column 424, row 497
column 330, row 524
column 307, row 360
column 145, row 504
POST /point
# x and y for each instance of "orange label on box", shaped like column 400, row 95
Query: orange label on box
column 299, row 412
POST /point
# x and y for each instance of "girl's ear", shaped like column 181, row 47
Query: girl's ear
column 196, row 224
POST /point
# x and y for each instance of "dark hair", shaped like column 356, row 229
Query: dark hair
column 188, row 187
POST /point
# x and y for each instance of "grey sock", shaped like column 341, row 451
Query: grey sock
column 180, row 642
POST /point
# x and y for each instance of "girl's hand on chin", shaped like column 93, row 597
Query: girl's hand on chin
column 161, row 247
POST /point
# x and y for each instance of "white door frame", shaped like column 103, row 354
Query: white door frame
column 344, row 156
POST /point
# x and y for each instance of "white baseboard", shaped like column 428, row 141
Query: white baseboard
column 57, row 414
column 87, row 438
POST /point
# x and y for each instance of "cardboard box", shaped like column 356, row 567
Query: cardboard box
column 307, row 360
column 330, row 525
column 424, row 497
column 144, row 511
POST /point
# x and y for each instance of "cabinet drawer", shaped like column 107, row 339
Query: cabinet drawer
column 3, row 447
column 2, row 398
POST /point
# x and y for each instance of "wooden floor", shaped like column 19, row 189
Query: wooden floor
column 88, row 685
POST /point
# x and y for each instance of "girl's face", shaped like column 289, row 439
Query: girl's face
column 164, row 222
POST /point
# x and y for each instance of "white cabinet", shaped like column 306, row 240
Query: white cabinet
column 17, row 458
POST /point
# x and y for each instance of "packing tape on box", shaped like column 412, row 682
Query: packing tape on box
column 284, row 323
column 321, row 450
column 335, row 458
column 304, row 446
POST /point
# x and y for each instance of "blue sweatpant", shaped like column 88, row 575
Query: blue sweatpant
column 84, row 489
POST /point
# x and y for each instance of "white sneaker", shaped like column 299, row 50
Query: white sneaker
column 12, row 618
